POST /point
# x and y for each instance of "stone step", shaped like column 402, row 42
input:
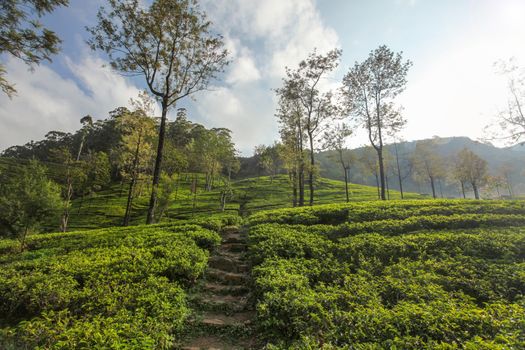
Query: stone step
column 221, row 289
column 234, row 238
column 228, row 278
column 220, row 320
column 230, row 229
column 229, row 254
column 234, row 247
column 226, row 304
column 228, row 264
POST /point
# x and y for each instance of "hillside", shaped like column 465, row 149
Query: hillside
column 106, row 208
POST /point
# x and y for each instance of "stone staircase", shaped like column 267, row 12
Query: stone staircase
column 223, row 310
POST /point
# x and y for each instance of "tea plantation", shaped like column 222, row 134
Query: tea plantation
column 116, row 288
column 394, row 275
column 412, row 274
column 106, row 208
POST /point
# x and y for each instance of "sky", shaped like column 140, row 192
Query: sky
column 453, row 88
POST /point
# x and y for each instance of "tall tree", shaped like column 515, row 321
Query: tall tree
column 170, row 44
column 136, row 150
column 22, row 35
column 317, row 108
column 370, row 89
column 335, row 140
column 473, row 168
column 292, row 134
column 428, row 164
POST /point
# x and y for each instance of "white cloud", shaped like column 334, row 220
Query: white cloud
column 48, row 101
column 244, row 70
column 263, row 38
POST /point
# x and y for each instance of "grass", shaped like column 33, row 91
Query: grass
column 106, row 208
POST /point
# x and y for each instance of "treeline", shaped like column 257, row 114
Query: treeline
column 462, row 174
column 118, row 149
column 312, row 116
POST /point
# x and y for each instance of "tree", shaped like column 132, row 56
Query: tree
column 505, row 172
column 97, row 170
column 428, row 164
column 474, row 169
column 459, row 174
column 402, row 167
column 292, row 152
column 70, row 175
column 369, row 89
column 27, row 199
column 211, row 151
column 166, row 190
column 269, row 158
column 136, row 149
column 335, row 140
column 316, row 108
column 170, row 45
column 511, row 120
column 368, row 161
column 22, row 35
column 494, row 183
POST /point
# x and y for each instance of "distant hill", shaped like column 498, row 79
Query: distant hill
column 447, row 147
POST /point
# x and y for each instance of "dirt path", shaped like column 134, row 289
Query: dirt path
column 223, row 312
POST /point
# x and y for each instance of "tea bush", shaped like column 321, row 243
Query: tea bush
column 404, row 275
column 119, row 288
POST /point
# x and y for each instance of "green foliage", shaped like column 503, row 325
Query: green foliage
column 22, row 35
column 389, row 279
column 26, row 199
column 108, row 288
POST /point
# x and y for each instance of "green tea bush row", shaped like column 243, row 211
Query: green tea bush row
column 429, row 222
column 335, row 214
column 452, row 280
column 108, row 288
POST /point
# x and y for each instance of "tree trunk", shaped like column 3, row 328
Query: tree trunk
column 377, row 185
column 463, row 189
column 158, row 162
column 381, row 172
column 194, row 196
column 301, row 186
column 475, row 188
column 293, row 178
column 312, row 165
column 67, row 203
column 346, row 184
column 399, row 172
column 129, row 202
column 23, row 239
column 387, row 187
column 433, row 187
